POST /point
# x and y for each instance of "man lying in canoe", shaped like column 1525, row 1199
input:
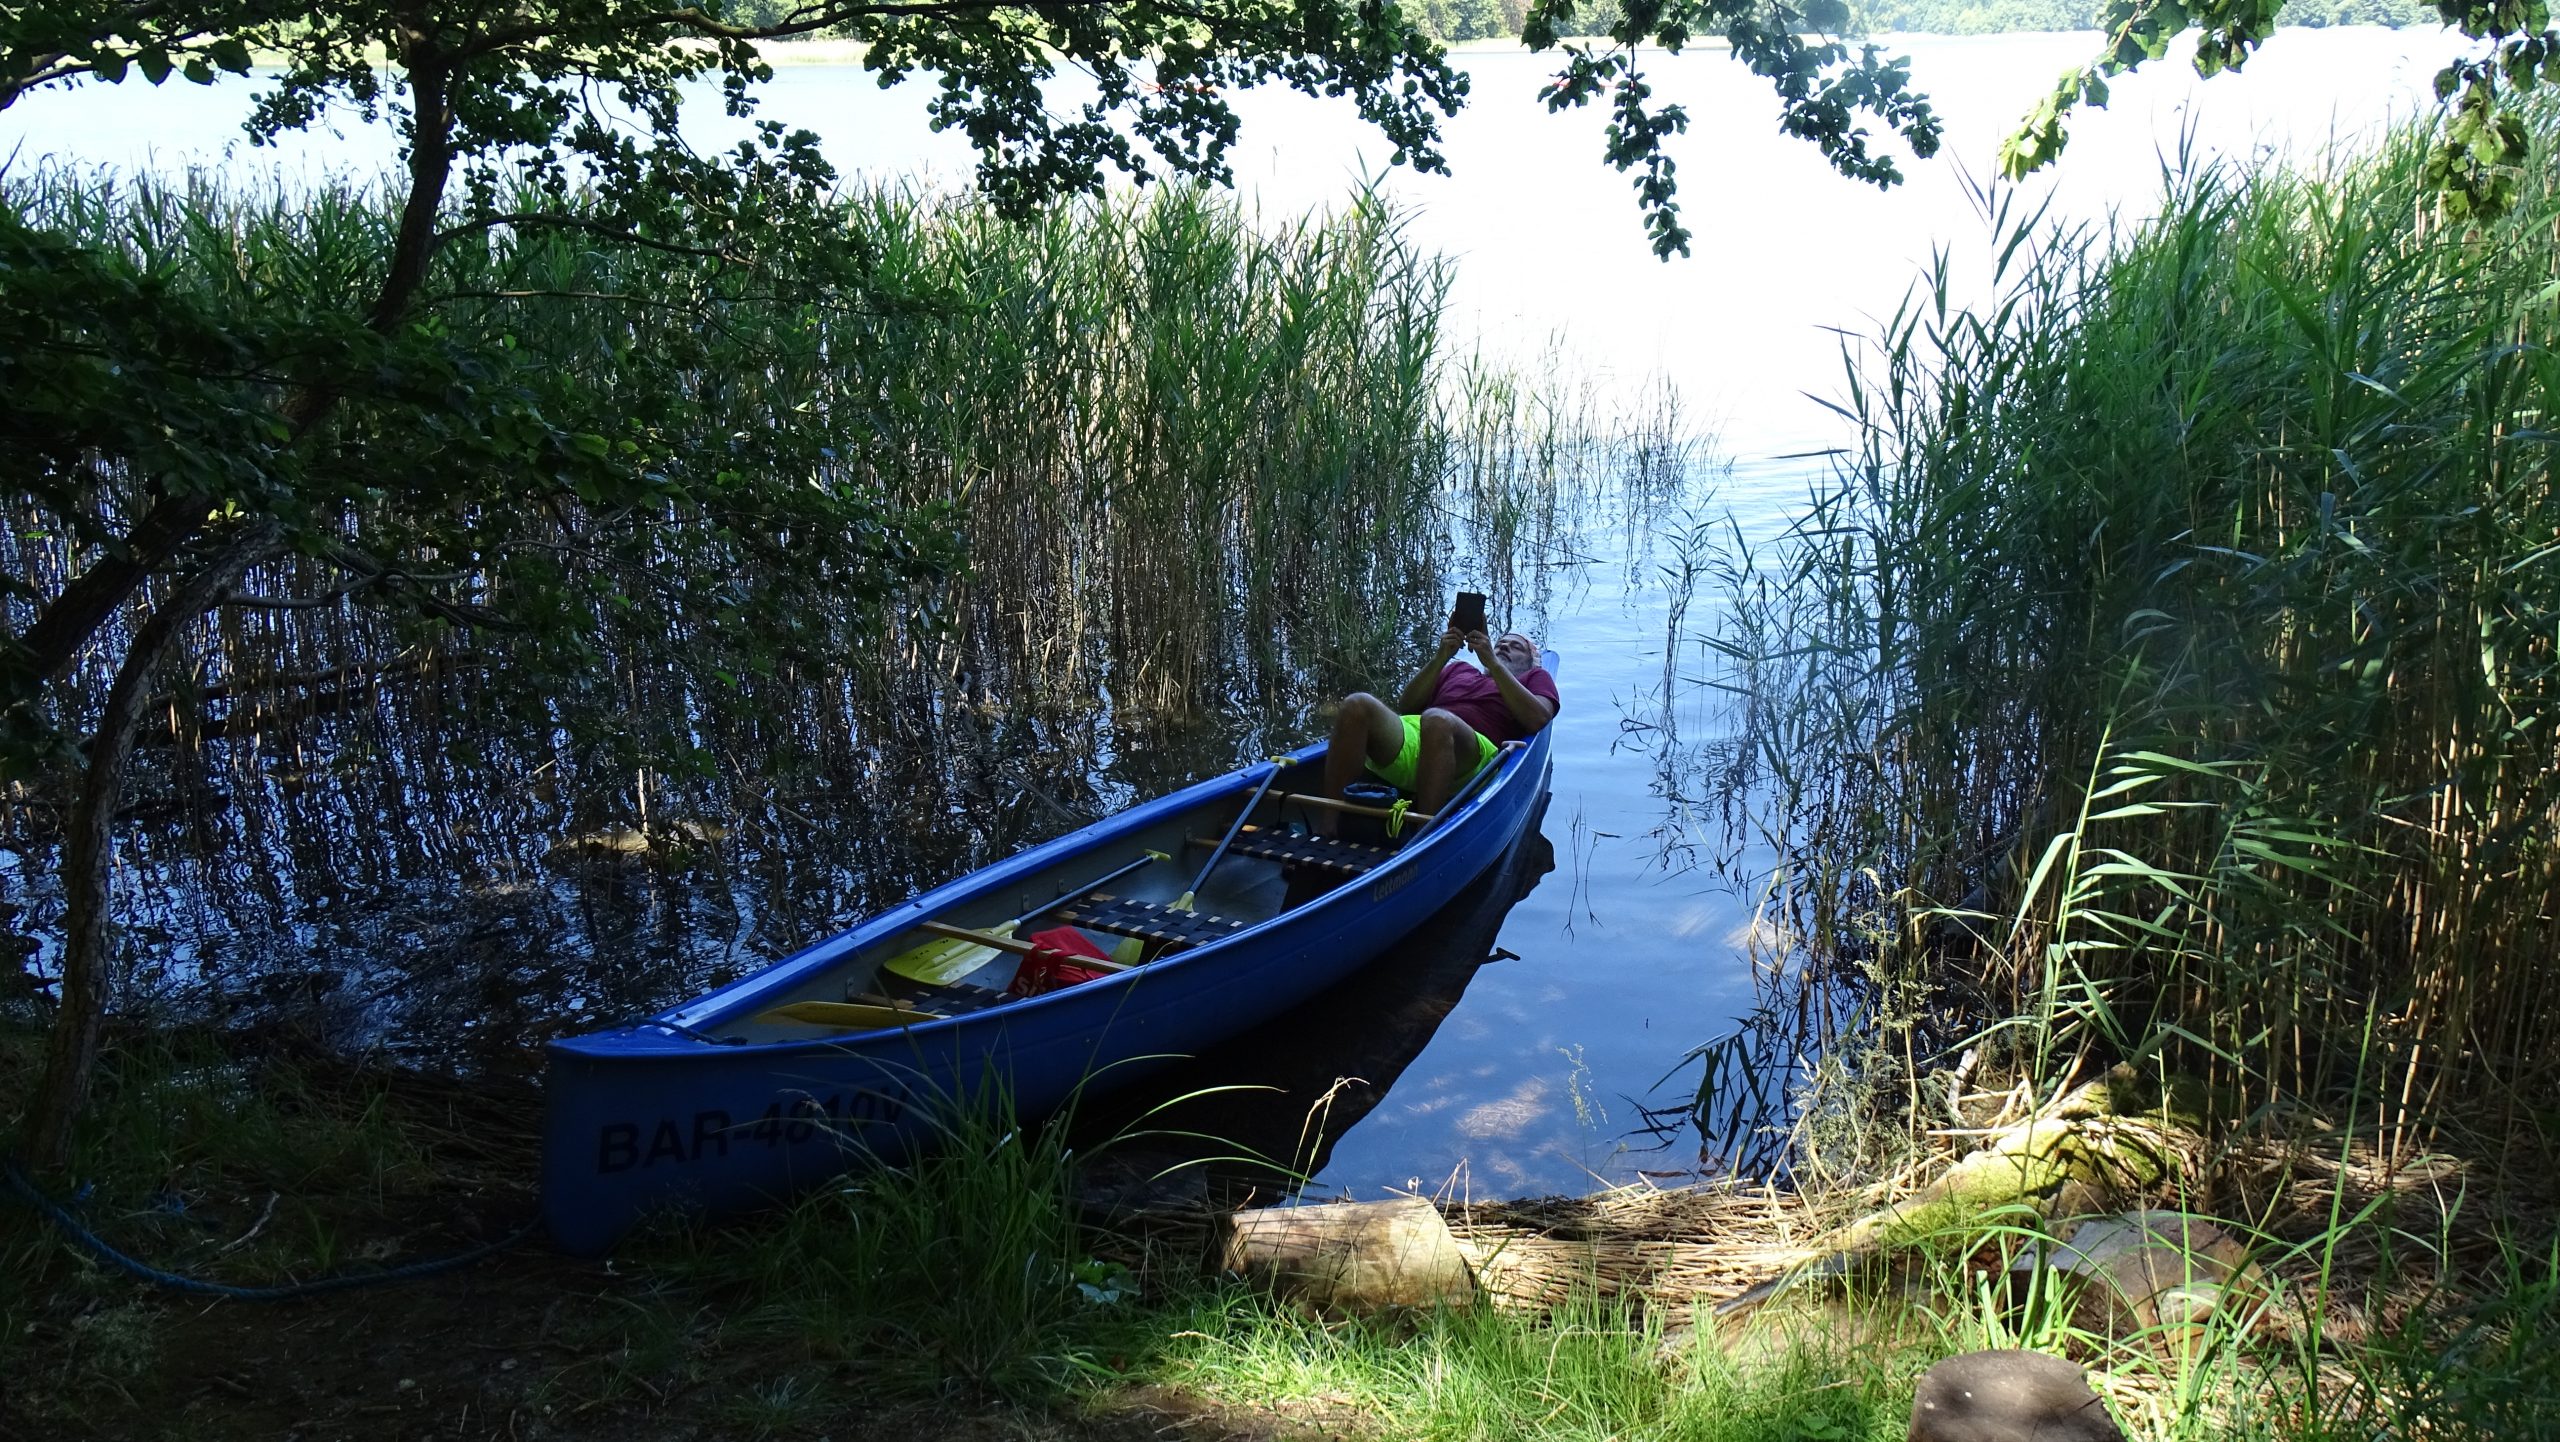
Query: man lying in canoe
column 1447, row 722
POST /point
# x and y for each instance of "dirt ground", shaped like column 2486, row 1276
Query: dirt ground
column 528, row 1346
column 525, row 1345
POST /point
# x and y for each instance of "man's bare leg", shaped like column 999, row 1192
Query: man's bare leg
column 1445, row 739
column 1365, row 730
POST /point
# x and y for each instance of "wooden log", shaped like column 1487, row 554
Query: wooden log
column 1351, row 1256
column 2117, row 1136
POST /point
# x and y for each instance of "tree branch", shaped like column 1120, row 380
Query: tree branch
column 805, row 21
column 371, row 573
column 535, row 220
column 86, row 602
column 246, row 602
column 47, row 66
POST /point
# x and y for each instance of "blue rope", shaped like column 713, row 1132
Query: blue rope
column 88, row 1241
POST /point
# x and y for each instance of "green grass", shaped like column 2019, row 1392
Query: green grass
column 964, row 1266
column 966, row 1279
column 239, row 1172
column 1589, row 1370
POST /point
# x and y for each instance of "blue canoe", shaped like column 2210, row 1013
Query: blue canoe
column 719, row 1105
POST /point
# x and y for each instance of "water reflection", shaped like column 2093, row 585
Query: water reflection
column 1252, row 1123
column 438, row 872
column 421, row 877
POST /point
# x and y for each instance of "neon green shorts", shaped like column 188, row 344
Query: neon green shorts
column 1399, row 772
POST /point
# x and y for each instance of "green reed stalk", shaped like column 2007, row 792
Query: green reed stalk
column 2217, row 557
column 1199, row 470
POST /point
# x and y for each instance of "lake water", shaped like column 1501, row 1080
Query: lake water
column 1525, row 1075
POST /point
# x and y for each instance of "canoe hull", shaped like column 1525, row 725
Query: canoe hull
column 648, row 1118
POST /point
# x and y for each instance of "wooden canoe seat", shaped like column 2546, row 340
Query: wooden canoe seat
column 1326, row 853
column 1148, row 921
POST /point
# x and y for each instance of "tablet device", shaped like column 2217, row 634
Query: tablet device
column 1468, row 615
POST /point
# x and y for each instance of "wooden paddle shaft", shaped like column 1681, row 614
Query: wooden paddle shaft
column 1350, row 808
column 1418, row 818
column 1007, row 943
column 982, row 938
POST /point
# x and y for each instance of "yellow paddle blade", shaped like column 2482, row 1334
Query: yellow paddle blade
column 851, row 1015
column 945, row 959
column 1128, row 949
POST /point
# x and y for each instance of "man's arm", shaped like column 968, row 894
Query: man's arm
column 1416, row 696
column 1527, row 707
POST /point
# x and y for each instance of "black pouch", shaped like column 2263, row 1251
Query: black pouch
column 1371, row 830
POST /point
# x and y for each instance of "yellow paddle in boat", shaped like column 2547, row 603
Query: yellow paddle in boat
column 946, row 959
column 848, row 1015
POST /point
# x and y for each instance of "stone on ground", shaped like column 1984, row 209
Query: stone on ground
column 2008, row 1396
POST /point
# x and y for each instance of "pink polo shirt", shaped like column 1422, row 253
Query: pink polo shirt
column 1471, row 696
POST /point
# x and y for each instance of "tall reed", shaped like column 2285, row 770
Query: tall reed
column 2172, row 667
column 1199, row 472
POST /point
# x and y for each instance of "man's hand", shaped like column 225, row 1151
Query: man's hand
column 1482, row 645
column 1417, row 695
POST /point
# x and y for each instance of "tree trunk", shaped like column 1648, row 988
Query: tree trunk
column 430, row 168
column 88, row 850
column 71, row 1052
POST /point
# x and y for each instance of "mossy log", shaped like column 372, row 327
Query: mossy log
column 2113, row 1138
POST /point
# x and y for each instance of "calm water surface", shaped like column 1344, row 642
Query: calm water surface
column 1526, row 1074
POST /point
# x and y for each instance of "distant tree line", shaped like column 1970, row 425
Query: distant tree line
column 1448, row 21
column 1991, row 17
column 1451, row 21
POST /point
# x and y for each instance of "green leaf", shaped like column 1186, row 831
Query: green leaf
column 2131, row 780
column 2216, row 769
